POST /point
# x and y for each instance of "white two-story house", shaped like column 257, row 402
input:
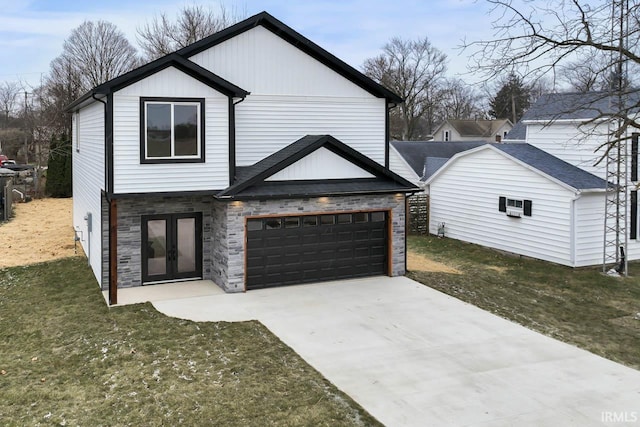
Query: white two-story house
column 252, row 158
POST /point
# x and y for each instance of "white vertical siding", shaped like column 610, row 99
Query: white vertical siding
column 266, row 124
column 321, row 164
column 88, row 181
column 465, row 197
column 263, row 63
column 572, row 144
column 292, row 95
column 589, row 229
column 132, row 177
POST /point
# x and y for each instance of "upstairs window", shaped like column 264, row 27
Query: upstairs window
column 171, row 130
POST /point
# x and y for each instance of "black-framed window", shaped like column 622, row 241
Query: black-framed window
column 171, row 130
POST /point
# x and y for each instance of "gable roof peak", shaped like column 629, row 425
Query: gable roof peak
column 296, row 39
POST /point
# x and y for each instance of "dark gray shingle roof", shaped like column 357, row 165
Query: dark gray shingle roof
column 553, row 166
column 477, row 128
column 570, row 106
column 417, row 153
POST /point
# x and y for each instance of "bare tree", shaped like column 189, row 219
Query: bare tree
column 414, row 69
column 8, row 95
column 585, row 74
column 460, row 101
column 544, row 38
column 162, row 35
column 98, row 52
column 93, row 53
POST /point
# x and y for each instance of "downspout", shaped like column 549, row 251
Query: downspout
column 388, row 107
column 111, row 220
column 232, row 139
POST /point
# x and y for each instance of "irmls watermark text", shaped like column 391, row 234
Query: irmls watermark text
column 620, row 416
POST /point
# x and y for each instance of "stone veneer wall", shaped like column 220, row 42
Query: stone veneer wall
column 130, row 213
column 238, row 210
column 223, row 230
column 220, row 244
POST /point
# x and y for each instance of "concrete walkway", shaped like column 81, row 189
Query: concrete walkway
column 413, row 356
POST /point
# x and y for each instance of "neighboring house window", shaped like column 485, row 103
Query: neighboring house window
column 76, row 128
column 514, row 204
column 446, row 136
column 515, row 207
column 171, row 130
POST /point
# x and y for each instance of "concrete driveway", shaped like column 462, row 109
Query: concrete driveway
column 413, row 356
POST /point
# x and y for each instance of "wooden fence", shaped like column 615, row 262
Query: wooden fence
column 418, row 214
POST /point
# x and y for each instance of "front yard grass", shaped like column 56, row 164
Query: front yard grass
column 67, row 359
column 582, row 306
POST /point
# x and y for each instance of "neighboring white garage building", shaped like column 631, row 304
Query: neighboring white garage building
column 518, row 198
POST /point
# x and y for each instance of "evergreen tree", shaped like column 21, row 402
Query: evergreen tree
column 512, row 100
column 59, row 167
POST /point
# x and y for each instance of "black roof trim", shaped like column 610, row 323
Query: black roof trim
column 322, row 188
column 257, row 173
column 195, row 193
column 172, row 60
column 298, row 40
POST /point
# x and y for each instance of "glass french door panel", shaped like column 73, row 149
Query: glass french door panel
column 186, row 244
column 156, row 247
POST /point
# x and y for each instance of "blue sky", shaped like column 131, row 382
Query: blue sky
column 32, row 31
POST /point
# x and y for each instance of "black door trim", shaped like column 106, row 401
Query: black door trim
column 172, row 237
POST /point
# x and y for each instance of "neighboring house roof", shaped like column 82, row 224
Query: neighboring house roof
column 425, row 157
column 251, row 181
column 172, row 60
column 298, row 40
column 475, row 128
column 517, row 133
column 570, row 106
column 179, row 60
column 558, row 170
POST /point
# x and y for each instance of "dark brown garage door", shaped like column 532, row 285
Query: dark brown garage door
column 311, row 248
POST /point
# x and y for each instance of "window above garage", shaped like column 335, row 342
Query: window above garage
column 171, row 130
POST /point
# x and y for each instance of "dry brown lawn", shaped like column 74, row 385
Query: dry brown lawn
column 39, row 231
column 419, row 262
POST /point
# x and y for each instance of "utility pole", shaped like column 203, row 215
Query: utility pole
column 615, row 220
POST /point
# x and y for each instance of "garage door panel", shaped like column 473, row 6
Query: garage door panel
column 302, row 249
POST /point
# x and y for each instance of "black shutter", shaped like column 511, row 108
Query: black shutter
column 527, row 208
column 633, row 232
column 634, row 157
column 502, row 204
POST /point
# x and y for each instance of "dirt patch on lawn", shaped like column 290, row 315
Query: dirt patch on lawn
column 39, row 231
column 417, row 262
